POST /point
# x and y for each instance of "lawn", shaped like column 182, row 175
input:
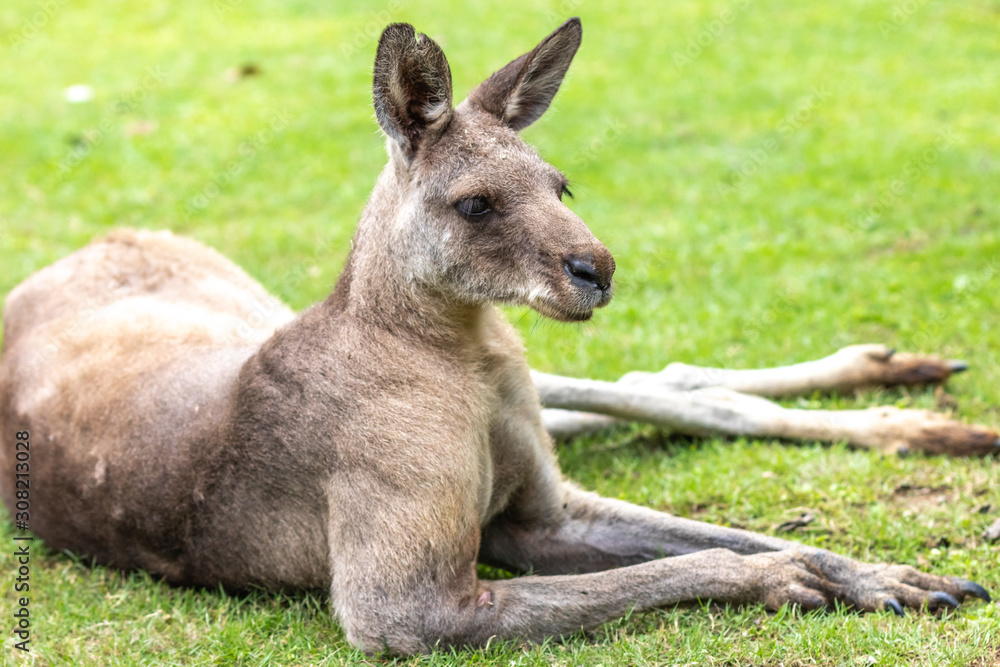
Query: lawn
column 776, row 180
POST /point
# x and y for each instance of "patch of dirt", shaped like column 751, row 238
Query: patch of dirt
column 702, row 509
column 988, row 660
column 902, row 246
column 906, row 489
column 919, row 498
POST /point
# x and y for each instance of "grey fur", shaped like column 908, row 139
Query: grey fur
column 384, row 441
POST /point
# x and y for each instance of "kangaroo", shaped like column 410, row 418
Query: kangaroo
column 383, row 442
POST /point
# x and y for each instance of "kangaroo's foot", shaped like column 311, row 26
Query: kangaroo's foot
column 718, row 410
column 816, row 579
column 850, row 368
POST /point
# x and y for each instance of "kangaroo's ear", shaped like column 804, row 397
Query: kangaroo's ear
column 411, row 87
column 521, row 92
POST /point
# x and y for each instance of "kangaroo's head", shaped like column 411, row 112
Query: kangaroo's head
column 477, row 215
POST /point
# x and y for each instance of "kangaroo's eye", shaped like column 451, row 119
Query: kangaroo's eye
column 473, row 207
column 565, row 191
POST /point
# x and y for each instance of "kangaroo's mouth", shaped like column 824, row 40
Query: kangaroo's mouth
column 549, row 309
column 576, row 305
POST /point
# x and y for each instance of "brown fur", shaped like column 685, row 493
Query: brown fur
column 385, row 440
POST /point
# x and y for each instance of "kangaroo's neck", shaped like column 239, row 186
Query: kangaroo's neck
column 383, row 286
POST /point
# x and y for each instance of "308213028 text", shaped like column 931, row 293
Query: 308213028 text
column 22, row 540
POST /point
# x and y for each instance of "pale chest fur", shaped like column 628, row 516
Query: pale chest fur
column 516, row 441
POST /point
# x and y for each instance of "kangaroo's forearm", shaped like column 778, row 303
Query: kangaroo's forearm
column 595, row 533
column 535, row 608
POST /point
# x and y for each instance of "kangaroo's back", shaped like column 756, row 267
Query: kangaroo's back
column 121, row 358
column 167, row 270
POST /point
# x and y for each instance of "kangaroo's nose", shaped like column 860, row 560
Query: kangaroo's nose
column 583, row 272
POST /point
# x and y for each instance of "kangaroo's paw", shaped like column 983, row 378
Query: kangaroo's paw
column 815, row 579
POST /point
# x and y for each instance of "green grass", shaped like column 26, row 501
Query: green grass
column 803, row 176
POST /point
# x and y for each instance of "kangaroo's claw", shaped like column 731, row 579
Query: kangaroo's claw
column 958, row 366
column 938, row 599
column 975, row 590
column 892, row 604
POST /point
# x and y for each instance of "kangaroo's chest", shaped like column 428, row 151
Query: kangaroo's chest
column 516, row 443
